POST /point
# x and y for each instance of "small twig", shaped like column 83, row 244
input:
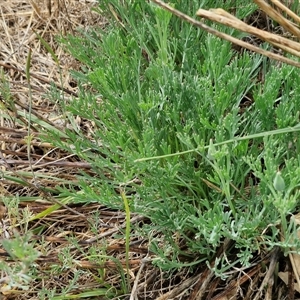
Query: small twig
column 133, row 295
column 268, row 279
column 187, row 284
column 29, row 137
column 39, row 164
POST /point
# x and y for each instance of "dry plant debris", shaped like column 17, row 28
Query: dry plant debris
column 19, row 22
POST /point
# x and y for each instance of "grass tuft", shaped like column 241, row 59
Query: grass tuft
column 167, row 93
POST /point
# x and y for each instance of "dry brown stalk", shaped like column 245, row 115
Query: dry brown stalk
column 221, row 16
column 275, row 15
column 286, row 10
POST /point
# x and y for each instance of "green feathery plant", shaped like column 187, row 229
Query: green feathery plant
column 184, row 127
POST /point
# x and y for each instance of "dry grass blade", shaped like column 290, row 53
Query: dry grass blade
column 270, row 11
column 286, row 10
column 182, row 287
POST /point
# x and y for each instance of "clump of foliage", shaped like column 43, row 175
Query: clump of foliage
column 159, row 87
